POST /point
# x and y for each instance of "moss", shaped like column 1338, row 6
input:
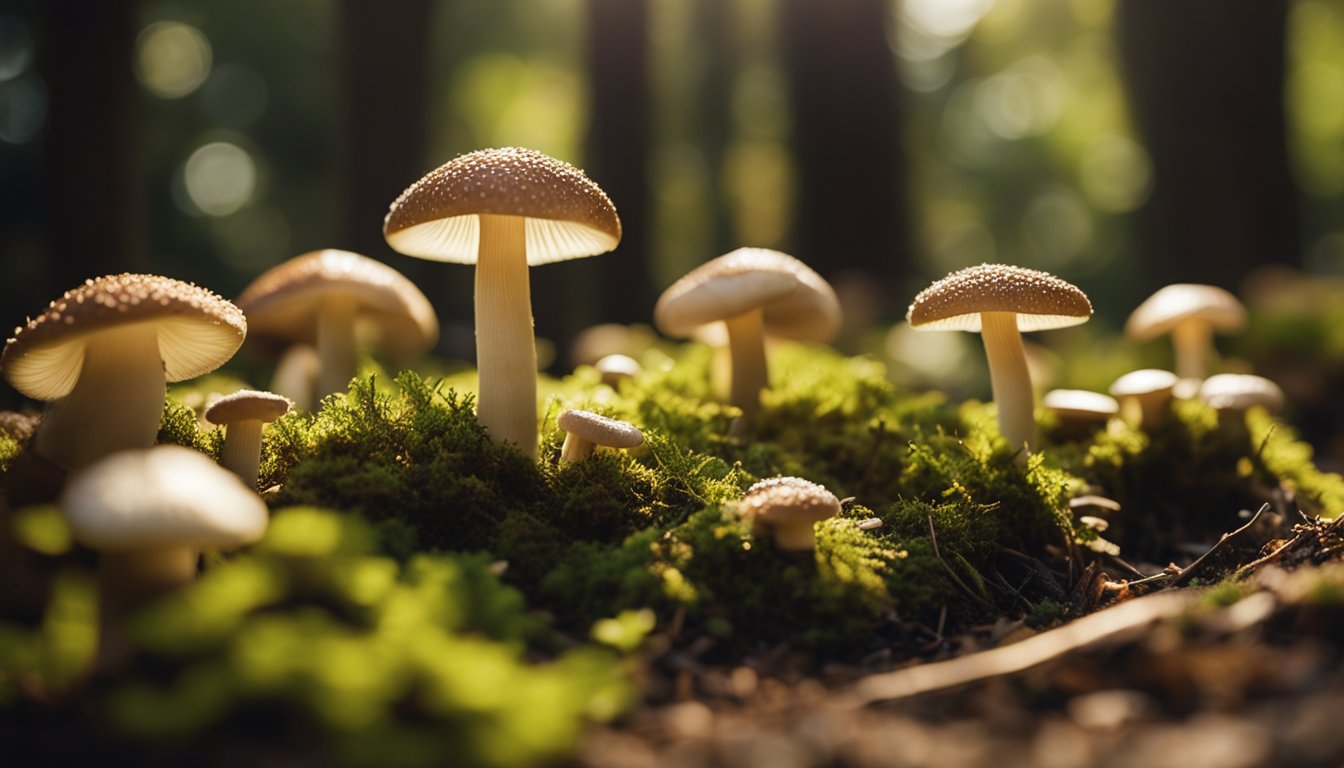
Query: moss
column 1281, row 456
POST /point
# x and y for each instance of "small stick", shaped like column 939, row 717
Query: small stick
column 951, row 573
column 1188, row 571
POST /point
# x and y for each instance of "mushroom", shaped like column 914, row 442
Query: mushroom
column 1190, row 312
column 1145, row 396
column 999, row 302
column 296, row 375
column 504, row 210
column 242, row 415
column 103, row 353
column 585, row 429
column 332, row 298
column 1078, row 410
column 1232, row 394
column 787, row 508
column 616, row 368
column 754, row 291
column 149, row 513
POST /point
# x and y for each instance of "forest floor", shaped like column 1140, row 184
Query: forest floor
column 1245, row 673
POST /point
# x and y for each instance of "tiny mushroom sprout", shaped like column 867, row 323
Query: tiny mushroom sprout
column 584, row 430
column 1145, row 396
column 242, row 415
column 787, row 508
column 754, row 292
column 504, row 210
column 999, row 302
column 149, row 513
column 102, row 354
column 1232, row 394
column 335, row 299
column 1190, row 312
column 1078, row 410
column 616, row 368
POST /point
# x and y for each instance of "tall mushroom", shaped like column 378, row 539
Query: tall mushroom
column 337, row 299
column 753, row 291
column 1000, row 301
column 103, row 353
column 504, row 210
column 243, row 414
column 1190, row 312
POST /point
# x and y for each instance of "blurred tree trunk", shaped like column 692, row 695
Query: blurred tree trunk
column 615, row 287
column 384, row 53
column 716, row 29
column 94, row 217
column 846, row 138
column 1205, row 79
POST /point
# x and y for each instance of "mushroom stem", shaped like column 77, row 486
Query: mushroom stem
column 1192, row 341
column 129, row 579
column 336, row 344
column 296, row 376
column 117, row 403
column 1009, row 378
column 798, row 536
column 575, row 448
column 506, row 351
column 746, row 347
column 241, row 453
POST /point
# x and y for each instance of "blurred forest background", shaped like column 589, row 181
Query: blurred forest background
column 1121, row 144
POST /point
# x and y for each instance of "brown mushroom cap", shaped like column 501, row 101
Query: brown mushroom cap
column 1040, row 300
column 1172, row 304
column 788, row 499
column 599, row 430
column 796, row 302
column 248, row 405
column 568, row 216
column 282, row 302
column 197, row 331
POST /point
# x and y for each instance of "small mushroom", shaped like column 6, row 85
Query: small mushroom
column 584, row 430
column 1079, row 411
column 504, row 210
column 1145, row 396
column 1232, row 394
column 242, row 414
column 999, row 302
column 1190, row 312
column 333, row 298
column 616, row 368
column 103, row 353
column 754, row 292
column 787, row 508
column 296, row 375
column 149, row 513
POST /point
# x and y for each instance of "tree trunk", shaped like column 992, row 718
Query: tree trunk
column 1205, row 79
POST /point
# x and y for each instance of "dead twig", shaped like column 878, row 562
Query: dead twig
column 933, row 537
column 1188, row 572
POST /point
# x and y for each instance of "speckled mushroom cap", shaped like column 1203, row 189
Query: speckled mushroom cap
column 1080, row 404
column 788, row 499
column 282, row 302
column 568, row 216
column 1143, row 381
column 796, row 302
column 166, row 496
column 1239, row 391
column 1041, row 300
column 248, row 405
column 600, row 430
column 1182, row 301
column 198, row 331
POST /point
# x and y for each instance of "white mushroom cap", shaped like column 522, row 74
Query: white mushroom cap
column 567, row 215
column 615, row 367
column 1178, row 302
column 599, row 430
column 1080, row 404
column 796, row 302
column 392, row 313
column 1239, row 391
column 1143, row 381
column 788, row 507
column 166, row 496
column 1040, row 300
column 248, row 405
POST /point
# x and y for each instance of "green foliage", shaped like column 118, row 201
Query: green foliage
column 1280, row 455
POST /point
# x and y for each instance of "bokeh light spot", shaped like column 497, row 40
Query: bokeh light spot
column 172, row 59
column 16, row 47
column 23, row 109
column 1116, row 173
column 220, row 178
